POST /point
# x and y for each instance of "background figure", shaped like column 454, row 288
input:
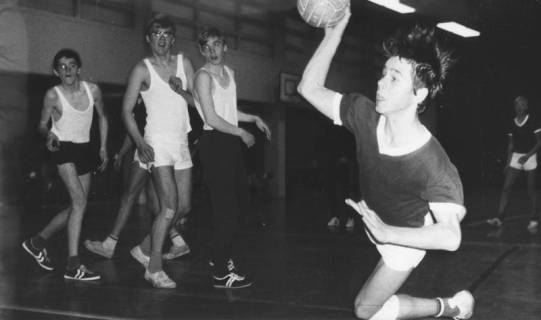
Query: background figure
column 524, row 141
column 215, row 95
column 13, row 100
column 341, row 176
column 70, row 107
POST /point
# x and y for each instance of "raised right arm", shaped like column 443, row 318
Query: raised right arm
column 312, row 85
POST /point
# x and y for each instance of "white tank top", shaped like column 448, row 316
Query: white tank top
column 225, row 100
column 167, row 111
column 73, row 125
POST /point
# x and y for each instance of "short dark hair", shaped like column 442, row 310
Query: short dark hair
column 160, row 21
column 430, row 61
column 209, row 32
column 66, row 53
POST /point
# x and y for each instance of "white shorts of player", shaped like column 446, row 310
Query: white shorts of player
column 401, row 258
column 530, row 164
column 167, row 153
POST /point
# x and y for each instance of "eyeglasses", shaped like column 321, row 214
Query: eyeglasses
column 64, row 67
column 165, row 34
column 214, row 45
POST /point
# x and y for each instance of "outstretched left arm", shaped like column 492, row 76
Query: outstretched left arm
column 444, row 234
column 103, row 126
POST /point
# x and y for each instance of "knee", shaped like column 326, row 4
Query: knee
column 363, row 311
column 168, row 214
column 79, row 201
column 183, row 209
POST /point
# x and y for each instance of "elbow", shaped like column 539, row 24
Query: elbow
column 453, row 241
column 303, row 88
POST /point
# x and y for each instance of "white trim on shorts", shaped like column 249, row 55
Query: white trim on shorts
column 401, row 258
column 530, row 164
column 176, row 155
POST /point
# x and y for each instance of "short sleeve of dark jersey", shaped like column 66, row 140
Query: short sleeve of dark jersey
column 444, row 186
column 356, row 110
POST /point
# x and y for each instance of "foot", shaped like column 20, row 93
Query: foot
column 176, row 251
column 465, row 303
column 160, row 280
column 533, row 224
column 40, row 256
column 140, row 256
column 231, row 278
column 99, row 248
column 81, row 273
column 334, row 222
column 495, row 222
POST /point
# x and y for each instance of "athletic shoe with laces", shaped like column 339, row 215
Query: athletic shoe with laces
column 99, row 248
column 160, row 280
column 81, row 273
column 495, row 222
column 334, row 222
column 232, row 279
column 176, row 251
column 465, row 303
column 40, row 256
column 139, row 255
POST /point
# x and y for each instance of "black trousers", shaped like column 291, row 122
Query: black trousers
column 225, row 174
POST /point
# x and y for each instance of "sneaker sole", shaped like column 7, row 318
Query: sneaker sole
column 226, row 287
column 82, row 279
column 101, row 254
column 169, row 256
column 33, row 256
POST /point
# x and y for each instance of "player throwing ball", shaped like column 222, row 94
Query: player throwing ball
column 413, row 198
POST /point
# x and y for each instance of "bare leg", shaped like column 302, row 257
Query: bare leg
column 530, row 184
column 163, row 179
column 510, row 177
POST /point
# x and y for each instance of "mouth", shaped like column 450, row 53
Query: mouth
column 379, row 98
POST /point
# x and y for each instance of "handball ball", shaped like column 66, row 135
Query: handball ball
column 322, row 13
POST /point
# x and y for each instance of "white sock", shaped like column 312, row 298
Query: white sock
column 110, row 242
column 177, row 240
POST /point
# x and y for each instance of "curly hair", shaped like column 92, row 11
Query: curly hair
column 66, row 53
column 160, row 21
column 429, row 60
column 209, row 32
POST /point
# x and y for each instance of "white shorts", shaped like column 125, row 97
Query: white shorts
column 401, row 258
column 173, row 154
column 530, row 164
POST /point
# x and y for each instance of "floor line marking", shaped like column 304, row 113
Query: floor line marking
column 488, row 271
column 60, row 312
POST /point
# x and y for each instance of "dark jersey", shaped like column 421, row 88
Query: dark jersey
column 523, row 134
column 398, row 188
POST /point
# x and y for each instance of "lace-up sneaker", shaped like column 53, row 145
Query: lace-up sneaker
column 333, row 223
column 81, row 274
column 176, row 251
column 40, row 256
column 160, row 280
column 465, row 303
column 99, row 248
column 495, row 222
column 232, row 279
column 138, row 255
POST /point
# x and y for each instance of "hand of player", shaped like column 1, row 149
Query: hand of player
column 145, row 152
column 341, row 25
column 377, row 228
column 52, row 143
column 104, row 160
column 247, row 138
column 117, row 164
column 176, row 84
column 261, row 125
column 523, row 159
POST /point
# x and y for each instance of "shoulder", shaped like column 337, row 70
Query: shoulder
column 140, row 70
column 93, row 87
column 202, row 75
column 51, row 95
column 230, row 70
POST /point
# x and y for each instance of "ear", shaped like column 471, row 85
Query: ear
column 147, row 38
column 420, row 95
column 56, row 73
column 225, row 47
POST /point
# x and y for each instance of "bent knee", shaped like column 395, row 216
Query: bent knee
column 183, row 210
column 168, row 213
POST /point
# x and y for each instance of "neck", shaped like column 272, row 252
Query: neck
column 403, row 127
column 218, row 69
column 162, row 59
column 74, row 87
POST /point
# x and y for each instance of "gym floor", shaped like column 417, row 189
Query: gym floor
column 302, row 270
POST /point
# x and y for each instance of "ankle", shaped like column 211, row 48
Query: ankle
column 73, row 263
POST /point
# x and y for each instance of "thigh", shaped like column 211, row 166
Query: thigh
column 510, row 176
column 530, row 178
column 381, row 285
column 68, row 174
column 183, row 179
column 164, row 184
column 137, row 178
